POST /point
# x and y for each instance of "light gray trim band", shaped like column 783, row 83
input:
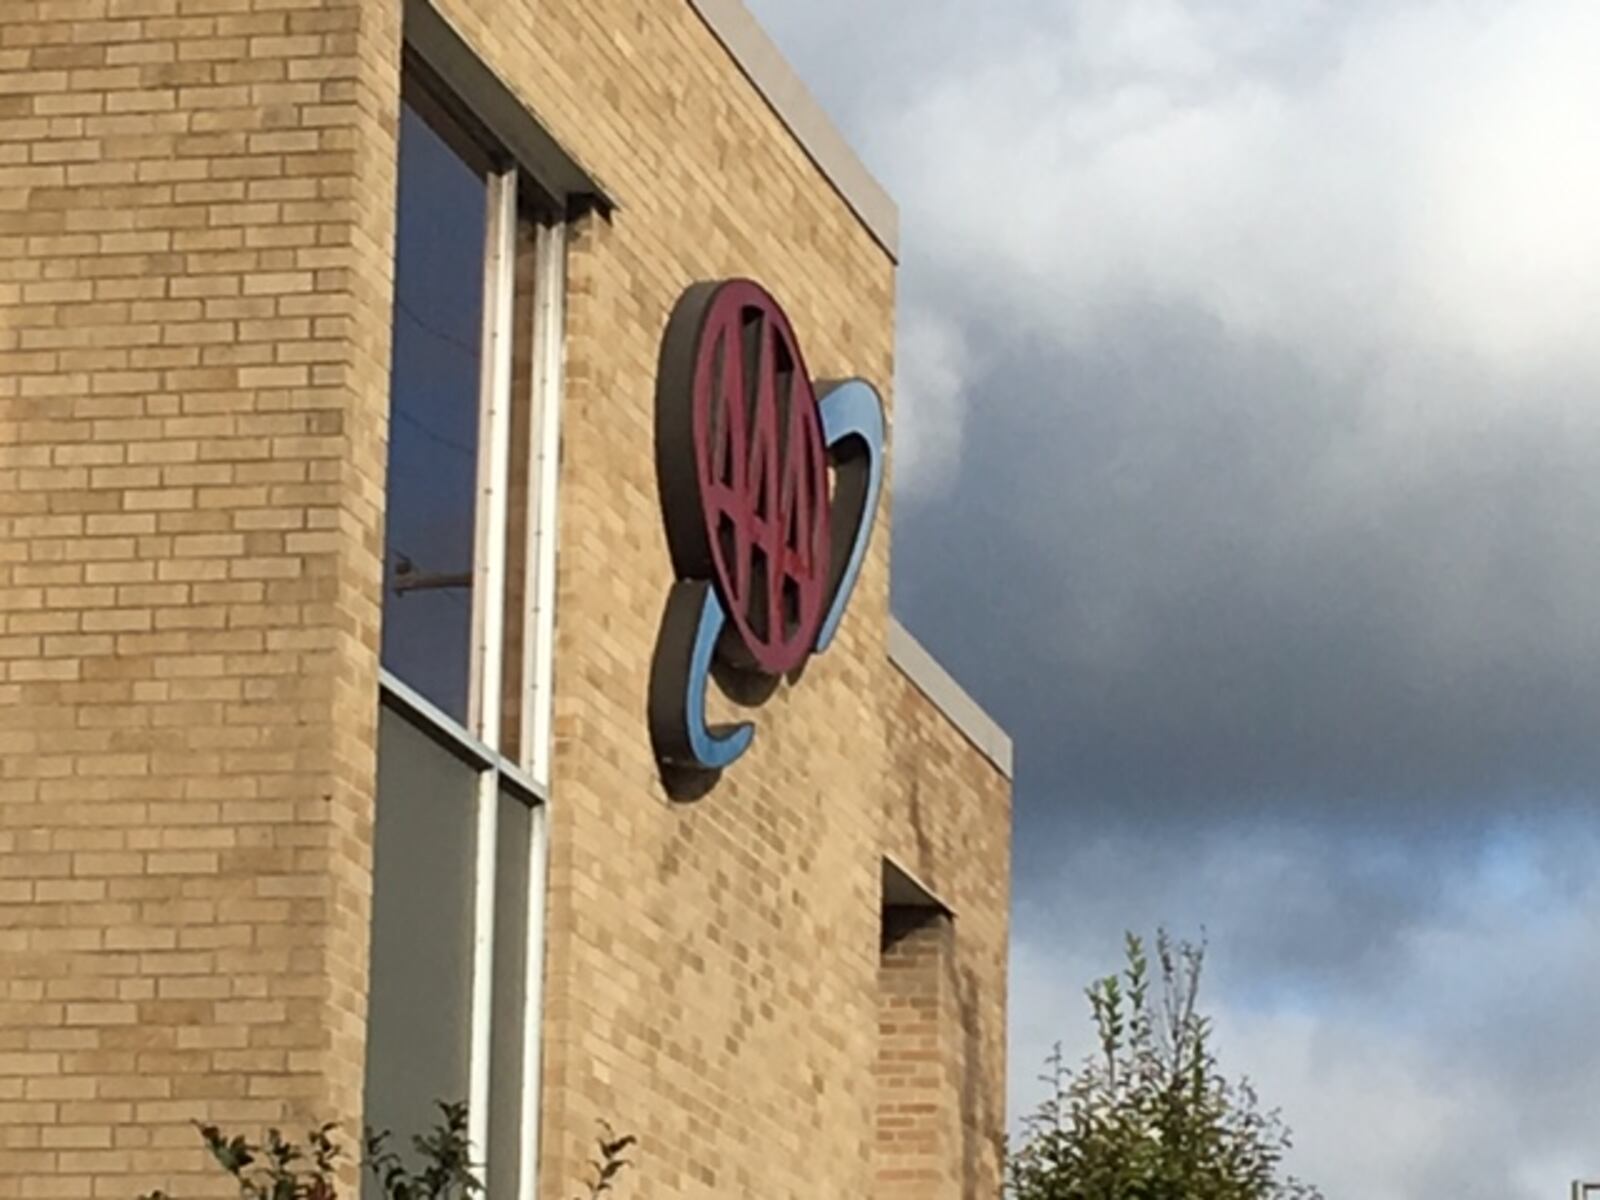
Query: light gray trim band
column 934, row 682
column 764, row 65
column 505, row 117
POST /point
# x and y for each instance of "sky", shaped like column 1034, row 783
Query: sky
column 1247, row 459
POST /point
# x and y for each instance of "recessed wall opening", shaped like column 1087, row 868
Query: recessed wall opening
column 916, row 1039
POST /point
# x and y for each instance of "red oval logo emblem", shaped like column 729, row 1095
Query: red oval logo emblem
column 762, row 470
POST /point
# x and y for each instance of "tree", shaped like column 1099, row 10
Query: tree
column 1149, row 1116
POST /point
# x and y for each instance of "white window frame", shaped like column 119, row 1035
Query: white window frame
column 478, row 742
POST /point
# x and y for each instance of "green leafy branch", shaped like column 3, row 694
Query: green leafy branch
column 611, row 1162
column 279, row 1169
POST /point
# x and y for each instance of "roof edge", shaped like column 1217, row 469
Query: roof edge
column 949, row 697
column 764, row 65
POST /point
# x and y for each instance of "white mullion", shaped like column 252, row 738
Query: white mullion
column 489, row 606
column 493, row 459
column 539, row 639
column 533, row 1004
column 543, row 447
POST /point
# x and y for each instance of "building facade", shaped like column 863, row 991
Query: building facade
column 340, row 679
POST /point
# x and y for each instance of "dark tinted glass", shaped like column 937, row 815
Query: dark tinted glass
column 513, row 845
column 420, row 999
column 433, row 426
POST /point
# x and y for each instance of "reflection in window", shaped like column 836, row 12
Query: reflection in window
column 433, row 427
column 420, row 990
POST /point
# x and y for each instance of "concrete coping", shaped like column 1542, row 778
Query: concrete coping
column 948, row 696
column 764, row 65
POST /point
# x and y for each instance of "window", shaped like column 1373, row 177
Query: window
column 434, row 489
column 425, row 832
column 459, row 843
column 914, row 1073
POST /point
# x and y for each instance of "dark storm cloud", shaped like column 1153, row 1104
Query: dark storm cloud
column 1203, row 610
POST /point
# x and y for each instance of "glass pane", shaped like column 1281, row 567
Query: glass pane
column 420, row 1006
column 520, row 481
column 433, row 427
column 513, row 845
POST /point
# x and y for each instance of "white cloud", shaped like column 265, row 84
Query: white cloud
column 1394, row 173
column 930, row 367
column 1502, row 246
column 1361, row 181
column 1368, row 1123
column 1460, row 1063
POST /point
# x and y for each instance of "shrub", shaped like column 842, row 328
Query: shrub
column 1150, row 1117
column 279, row 1169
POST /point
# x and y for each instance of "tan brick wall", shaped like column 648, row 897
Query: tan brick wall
column 948, row 822
column 195, row 200
column 196, row 219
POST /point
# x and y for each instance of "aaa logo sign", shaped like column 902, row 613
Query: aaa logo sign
column 769, row 487
column 761, row 472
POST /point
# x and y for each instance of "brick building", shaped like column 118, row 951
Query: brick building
column 336, row 616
